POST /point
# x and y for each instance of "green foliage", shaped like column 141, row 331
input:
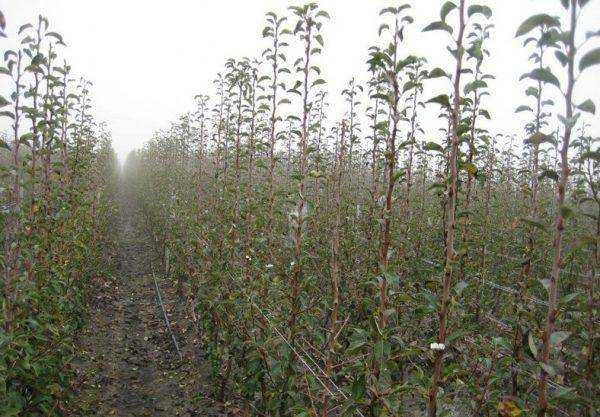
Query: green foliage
column 442, row 100
column 438, row 26
column 315, row 251
column 590, row 59
column 59, row 184
column 539, row 20
column 587, row 106
column 283, row 234
column 544, row 75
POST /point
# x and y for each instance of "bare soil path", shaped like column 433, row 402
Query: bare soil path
column 127, row 365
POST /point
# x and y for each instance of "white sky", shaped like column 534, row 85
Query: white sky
column 148, row 58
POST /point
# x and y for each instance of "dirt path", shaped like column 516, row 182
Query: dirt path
column 128, row 365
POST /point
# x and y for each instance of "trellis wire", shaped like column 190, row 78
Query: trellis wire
column 302, row 359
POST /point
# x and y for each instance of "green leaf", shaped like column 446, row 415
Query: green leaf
column 409, row 60
column 538, row 138
column 523, row 108
column 590, row 59
column 432, row 146
column 532, row 92
column 565, row 393
column 403, row 7
column 442, row 100
column 592, row 34
column 437, row 73
column 548, row 368
column 531, row 345
column 319, row 39
column 438, row 26
column 485, row 114
column 391, row 10
column 7, row 113
column 558, row 337
column 384, row 26
column 56, row 36
column 323, row 13
column 318, row 82
column 358, row 388
column 4, row 145
column 381, row 350
column 447, row 8
column 569, row 121
column 593, row 155
column 25, row 27
column 569, row 297
column 356, row 344
column 566, row 211
column 475, row 51
column 475, row 85
column 544, row 75
column 392, row 279
column 409, row 85
column 431, row 299
column 463, row 128
column 26, row 137
column 456, row 335
column 484, row 10
column 397, row 175
column 537, row 20
column 3, row 102
column 562, row 58
column 385, row 97
column 587, row 106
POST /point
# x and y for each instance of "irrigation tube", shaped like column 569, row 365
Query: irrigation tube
column 287, row 342
column 162, row 306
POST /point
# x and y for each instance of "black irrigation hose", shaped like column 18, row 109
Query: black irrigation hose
column 162, row 306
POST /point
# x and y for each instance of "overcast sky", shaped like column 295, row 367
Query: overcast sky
column 148, row 58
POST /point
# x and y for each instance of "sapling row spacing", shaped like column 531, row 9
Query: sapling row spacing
column 387, row 249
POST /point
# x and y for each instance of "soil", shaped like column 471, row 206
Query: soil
column 127, row 363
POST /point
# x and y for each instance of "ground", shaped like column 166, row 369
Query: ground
column 127, row 364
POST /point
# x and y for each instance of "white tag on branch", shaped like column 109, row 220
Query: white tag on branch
column 437, row 346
